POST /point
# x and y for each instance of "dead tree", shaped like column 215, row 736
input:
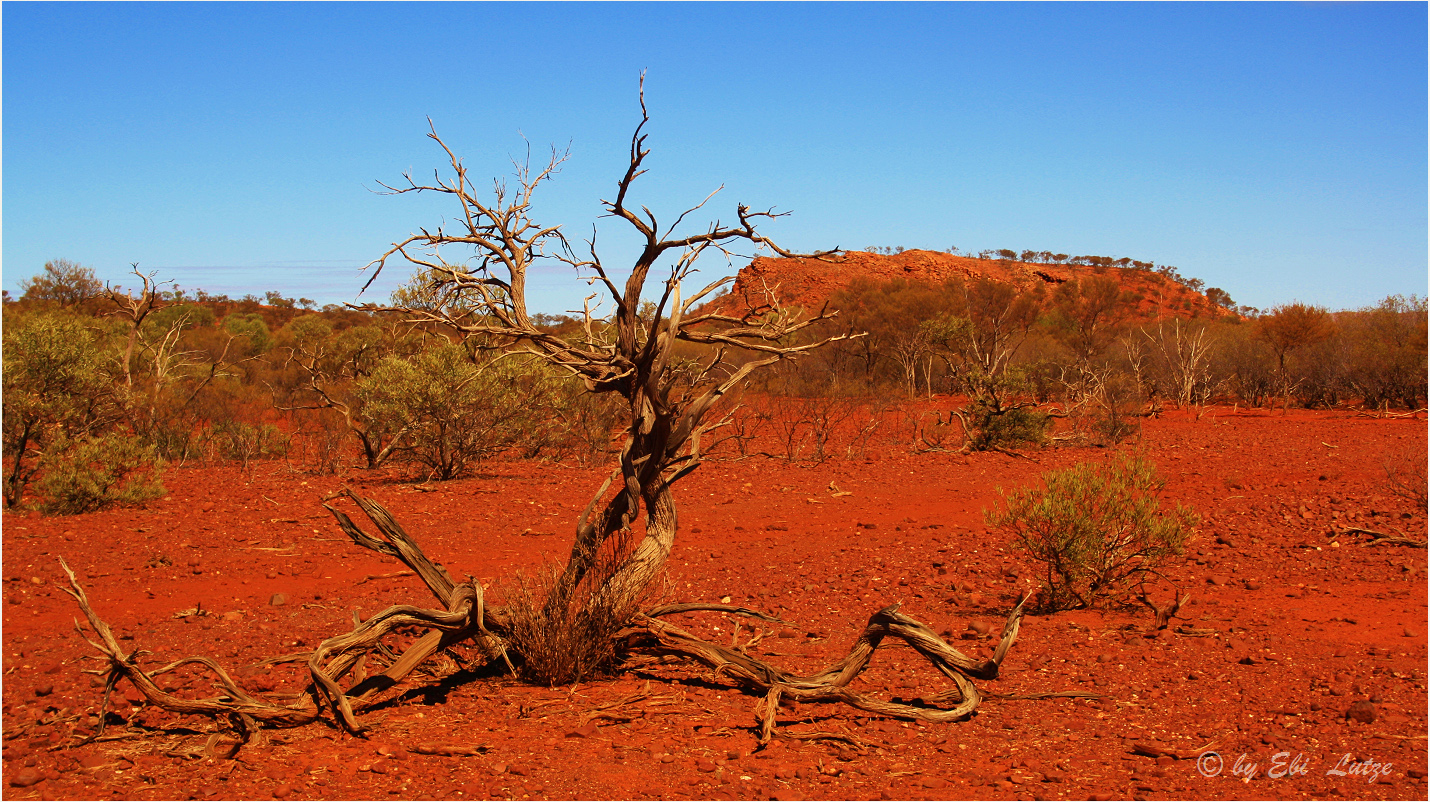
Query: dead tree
column 623, row 538
column 158, row 351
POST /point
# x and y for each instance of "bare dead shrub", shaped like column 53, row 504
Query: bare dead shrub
column 563, row 643
column 1407, row 476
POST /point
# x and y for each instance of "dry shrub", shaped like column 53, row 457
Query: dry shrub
column 1407, row 476
column 95, row 473
column 1097, row 528
column 563, row 643
column 992, row 426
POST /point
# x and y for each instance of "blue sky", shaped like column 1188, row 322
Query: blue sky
column 1275, row 150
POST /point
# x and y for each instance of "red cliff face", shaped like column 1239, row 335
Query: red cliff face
column 810, row 283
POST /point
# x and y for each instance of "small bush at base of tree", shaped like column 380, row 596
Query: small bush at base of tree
column 1096, row 527
column 94, row 473
column 558, row 643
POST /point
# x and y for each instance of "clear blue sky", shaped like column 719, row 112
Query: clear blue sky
column 1275, row 150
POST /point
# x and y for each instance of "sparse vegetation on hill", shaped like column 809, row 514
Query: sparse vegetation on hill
column 1067, row 353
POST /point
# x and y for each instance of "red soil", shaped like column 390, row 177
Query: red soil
column 1306, row 624
column 809, row 283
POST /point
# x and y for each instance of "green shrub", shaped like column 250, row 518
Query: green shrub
column 455, row 412
column 252, row 328
column 93, row 473
column 1096, row 527
column 55, row 387
column 991, row 426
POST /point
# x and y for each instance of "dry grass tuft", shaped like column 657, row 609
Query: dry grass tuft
column 562, row 644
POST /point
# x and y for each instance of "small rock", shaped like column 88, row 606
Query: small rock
column 1364, row 712
column 1246, row 661
column 785, row 771
column 981, row 627
column 584, row 731
column 1415, row 774
column 232, row 616
column 1225, row 540
column 1106, row 657
column 1252, row 584
column 26, row 777
column 44, row 690
column 705, row 765
column 282, row 791
column 1218, row 580
column 92, row 761
column 934, row 782
column 517, row 770
column 278, row 600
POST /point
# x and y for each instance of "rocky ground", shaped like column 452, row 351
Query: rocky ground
column 1298, row 670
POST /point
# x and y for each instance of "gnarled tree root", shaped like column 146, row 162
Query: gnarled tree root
column 466, row 618
column 652, row 635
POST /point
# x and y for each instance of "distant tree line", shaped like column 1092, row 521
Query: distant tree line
column 103, row 385
column 1086, row 351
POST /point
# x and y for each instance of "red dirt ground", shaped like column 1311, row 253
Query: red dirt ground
column 1306, row 624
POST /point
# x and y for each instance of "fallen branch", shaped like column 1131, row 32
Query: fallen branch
column 830, row 685
column 448, row 750
column 1151, row 749
column 1381, row 538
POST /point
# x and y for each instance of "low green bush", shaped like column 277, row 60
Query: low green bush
column 991, row 426
column 1095, row 527
column 93, row 473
